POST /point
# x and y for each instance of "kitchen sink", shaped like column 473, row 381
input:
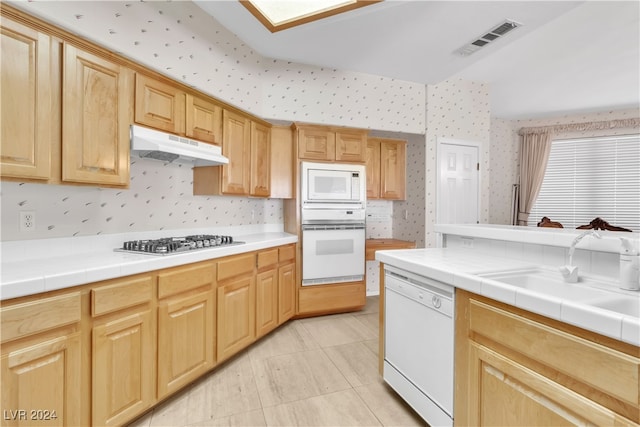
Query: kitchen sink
column 628, row 305
column 588, row 290
column 550, row 282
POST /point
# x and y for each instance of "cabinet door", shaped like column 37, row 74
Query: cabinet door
column 393, row 159
column 286, row 292
column 203, row 120
column 186, row 339
column 260, row 160
column 504, row 393
column 236, row 316
column 373, row 169
column 25, row 109
column 42, row 379
column 97, row 102
column 266, row 302
column 159, row 105
column 236, row 145
column 123, row 369
column 351, row 146
column 316, row 144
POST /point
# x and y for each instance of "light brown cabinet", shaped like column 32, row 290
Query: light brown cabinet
column 96, row 104
column 331, row 144
column 548, row 373
column 27, row 109
column 286, row 283
column 122, row 350
column 186, row 325
column 281, row 167
column 166, row 107
column 41, row 361
column 247, row 145
column 260, row 172
column 386, row 169
column 267, row 292
column 236, row 304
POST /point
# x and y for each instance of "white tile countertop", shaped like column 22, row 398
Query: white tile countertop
column 38, row 270
column 461, row 268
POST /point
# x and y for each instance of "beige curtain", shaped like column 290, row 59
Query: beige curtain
column 534, row 154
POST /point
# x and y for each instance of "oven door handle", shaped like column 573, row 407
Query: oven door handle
column 314, row 227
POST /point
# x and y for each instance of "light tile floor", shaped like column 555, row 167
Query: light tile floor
column 320, row 371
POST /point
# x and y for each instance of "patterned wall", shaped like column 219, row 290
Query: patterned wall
column 504, row 169
column 181, row 41
column 412, row 228
column 160, row 197
column 456, row 109
column 505, row 149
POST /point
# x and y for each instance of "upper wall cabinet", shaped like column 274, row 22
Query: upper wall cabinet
column 331, row 144
column 166, row 107
column 26, row 109
column 386, row 169
column 97, row 111
column 260, row 160
column 247, row 145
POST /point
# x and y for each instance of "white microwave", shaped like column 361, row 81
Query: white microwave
column 333, row 183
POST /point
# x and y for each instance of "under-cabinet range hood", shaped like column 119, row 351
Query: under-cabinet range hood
column 153, row 144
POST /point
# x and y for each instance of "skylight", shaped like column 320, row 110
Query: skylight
column 279, row 15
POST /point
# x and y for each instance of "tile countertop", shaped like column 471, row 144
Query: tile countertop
column 460, row 267
column 48, row 273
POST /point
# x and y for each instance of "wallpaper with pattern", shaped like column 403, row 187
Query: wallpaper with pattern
column 160, row 197
column 180, row 40
column 456, row 109
column 505, row 150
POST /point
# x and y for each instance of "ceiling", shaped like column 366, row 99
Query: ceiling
column 567, row 57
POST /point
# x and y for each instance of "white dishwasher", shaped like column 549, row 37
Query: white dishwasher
column 418, row 343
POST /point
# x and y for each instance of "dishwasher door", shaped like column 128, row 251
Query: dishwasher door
column 419, row 336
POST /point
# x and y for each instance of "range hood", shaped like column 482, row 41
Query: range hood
column 153, row 144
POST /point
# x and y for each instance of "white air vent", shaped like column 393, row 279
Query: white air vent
column 489, row 36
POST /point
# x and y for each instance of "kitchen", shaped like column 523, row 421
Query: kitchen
column 162, row 192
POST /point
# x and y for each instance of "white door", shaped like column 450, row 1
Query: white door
column 458, row 194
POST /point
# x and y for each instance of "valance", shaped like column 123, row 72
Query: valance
column 581, row 127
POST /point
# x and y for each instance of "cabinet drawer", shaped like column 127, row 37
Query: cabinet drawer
column 21, row 320
column 122, row 294
column 184, row 278
column 235, row 266
column 286, row 253
column 267, row 258
column 599, row 367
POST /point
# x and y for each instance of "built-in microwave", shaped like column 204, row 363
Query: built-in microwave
column 333, row 184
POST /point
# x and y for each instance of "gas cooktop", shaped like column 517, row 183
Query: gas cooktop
column 175, row 245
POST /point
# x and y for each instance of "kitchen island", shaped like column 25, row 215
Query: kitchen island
column 543, row 356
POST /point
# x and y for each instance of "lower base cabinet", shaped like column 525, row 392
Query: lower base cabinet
column 104, row 353
column 41, row 362
column 236, row 316
column 516, row 368
column 324, row 299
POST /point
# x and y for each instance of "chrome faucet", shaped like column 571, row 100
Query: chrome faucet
column 569, row 271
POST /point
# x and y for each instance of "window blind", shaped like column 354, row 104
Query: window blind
column 591, row 177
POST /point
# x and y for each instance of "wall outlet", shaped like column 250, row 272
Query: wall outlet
column 27, row 220
column 467, row 242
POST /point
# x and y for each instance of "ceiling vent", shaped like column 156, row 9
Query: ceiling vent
column 489, row 36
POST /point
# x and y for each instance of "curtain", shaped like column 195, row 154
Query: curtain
column 534, row 154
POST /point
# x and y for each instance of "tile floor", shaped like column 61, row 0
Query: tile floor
column 320, row 371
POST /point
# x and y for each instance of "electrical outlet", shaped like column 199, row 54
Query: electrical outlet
column 467, row 242
column 27, row 220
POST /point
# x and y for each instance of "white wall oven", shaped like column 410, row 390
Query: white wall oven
column 333, row 200
column 332, row 253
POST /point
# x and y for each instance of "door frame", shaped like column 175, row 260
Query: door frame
column 440, row 141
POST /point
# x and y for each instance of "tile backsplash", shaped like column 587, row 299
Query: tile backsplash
column 159, row 198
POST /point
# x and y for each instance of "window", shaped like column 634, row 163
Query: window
column 589, row 178
column 282, row 14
